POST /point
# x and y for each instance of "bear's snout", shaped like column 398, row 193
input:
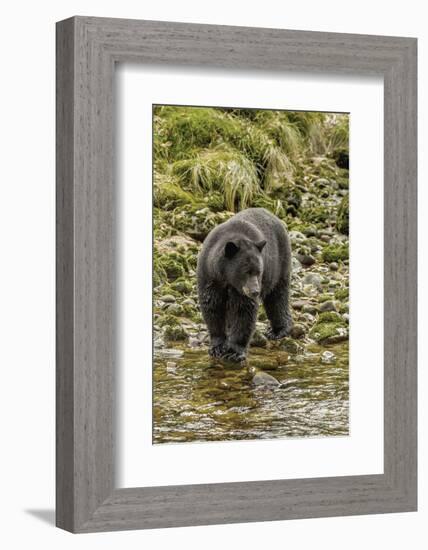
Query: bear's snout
column 252, row 288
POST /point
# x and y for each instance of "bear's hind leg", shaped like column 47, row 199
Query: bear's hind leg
column 212, row 301
column 241, row 322
column 278, row 311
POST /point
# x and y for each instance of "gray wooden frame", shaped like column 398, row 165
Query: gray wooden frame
column 87, row 50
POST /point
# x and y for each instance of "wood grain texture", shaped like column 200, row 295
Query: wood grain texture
column 87, row 50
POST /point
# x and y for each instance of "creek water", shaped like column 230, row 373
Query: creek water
column 196, row 399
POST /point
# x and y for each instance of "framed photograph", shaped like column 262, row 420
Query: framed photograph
column 236, row 274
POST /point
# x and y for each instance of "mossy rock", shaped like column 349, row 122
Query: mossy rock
column 329, row 332
column 197, row 222
column 342, row 222
column 169, row 194
column 329, row 317
column 290, row 345
column 182, row 286
column 335, row 253
column 173, row 264
column 315, row 214
column 174, row 333
column 342, row 294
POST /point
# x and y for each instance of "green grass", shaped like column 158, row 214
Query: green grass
column 236, row 157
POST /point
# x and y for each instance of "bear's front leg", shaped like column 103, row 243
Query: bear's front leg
column 241, row 322
column 278, row 311
column 212, row 301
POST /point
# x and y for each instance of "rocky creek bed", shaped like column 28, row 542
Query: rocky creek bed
column 299, row 385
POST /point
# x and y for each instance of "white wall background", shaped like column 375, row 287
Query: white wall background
column 27, row 272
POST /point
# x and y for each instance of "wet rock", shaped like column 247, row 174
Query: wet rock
column 297, row 331
column 306, row 318
column 268, row 362
column 168, row 353
column 261, row 379
column 312, row 279
column 328, row 357
column 175, row 309
column 174, row 333
column 290, row 345
column 296, row 236
column 296, row 266
column 306, row 259
column 298, row 304
column 309, row 308
column 259, row 340
column 193, row 342
column 171, row 367
column 282, row 358
column 310, row 231
column 329, row 333
column 168, row 299
column 327, row 306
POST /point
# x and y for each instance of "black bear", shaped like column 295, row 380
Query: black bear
column 243, row 261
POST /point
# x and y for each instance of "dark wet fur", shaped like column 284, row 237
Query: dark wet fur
column 229, row 314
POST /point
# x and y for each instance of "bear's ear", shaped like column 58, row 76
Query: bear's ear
column 230, row 249
column 260, row 245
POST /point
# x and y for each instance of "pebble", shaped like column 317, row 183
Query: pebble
column 297, row 331
column 169, row 353
column 334, row 266
column 328, row 357
column 168, row 298
column 298, row 304
column 296, row 236
column 306, row 259
column 311, row 232
column 264, row 379
column 193, row 342
column 171, row 366
column 312, row 279
column 309, row 308
column 327, row 306
column 258, row 340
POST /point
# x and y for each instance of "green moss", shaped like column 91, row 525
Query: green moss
column 168, row 193
column 329, row 332
column 173, row 264
column 276, row 206
column 291, row 346
column 342, row 222
column 182, row 286
column 315, row 214
column 335, row 253
column 174, row 333
column 196, row 222
column 342, row 294
column 324, row 297
column 329, row 317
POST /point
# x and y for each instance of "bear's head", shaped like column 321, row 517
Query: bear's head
column 243, row 261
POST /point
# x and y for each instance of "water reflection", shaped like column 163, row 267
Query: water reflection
column 199, row 400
